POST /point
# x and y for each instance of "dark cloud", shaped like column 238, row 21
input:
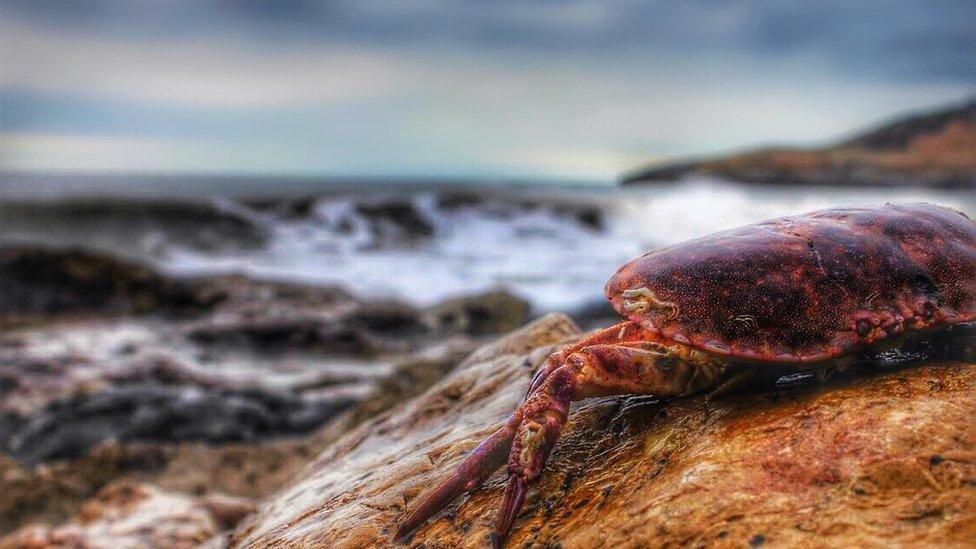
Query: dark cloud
column 917, row 39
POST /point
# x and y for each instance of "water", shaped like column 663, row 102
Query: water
column 554, row 245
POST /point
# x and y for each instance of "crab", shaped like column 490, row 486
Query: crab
column 810, row 292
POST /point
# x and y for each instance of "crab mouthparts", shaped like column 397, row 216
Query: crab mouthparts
column 643, row 301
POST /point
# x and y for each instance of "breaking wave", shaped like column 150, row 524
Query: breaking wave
column 554, row 246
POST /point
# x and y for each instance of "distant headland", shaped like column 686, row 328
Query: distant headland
column 929, row 149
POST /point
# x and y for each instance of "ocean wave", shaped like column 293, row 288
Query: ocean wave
column 555, row 247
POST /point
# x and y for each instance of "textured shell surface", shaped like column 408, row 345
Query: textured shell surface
column 808, row 287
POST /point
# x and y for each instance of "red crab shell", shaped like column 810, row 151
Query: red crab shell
column 809, row 287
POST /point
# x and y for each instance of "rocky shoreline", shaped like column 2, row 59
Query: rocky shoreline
column 142, row 409
column 111, row 370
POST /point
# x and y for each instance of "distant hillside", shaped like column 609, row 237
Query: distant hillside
column 928, row 149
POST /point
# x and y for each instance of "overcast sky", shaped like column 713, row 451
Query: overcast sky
column 565, row 89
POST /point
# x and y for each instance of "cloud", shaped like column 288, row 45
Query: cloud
column 71, row 152
column 198, row 72
column 930, row 39
column 579, row 88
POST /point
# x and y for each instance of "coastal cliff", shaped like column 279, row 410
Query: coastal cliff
column 932, row 149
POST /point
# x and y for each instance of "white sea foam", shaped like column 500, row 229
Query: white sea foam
column 528, row 241
column 553, row 260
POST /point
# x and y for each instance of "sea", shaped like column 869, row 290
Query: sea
column 553, row 243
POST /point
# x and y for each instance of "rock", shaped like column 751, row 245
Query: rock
column 933, row 149
column 128, row 514
column 236, row 374
column 54, row 491
column 42, row 281
column 227, row 510
column 385, row 319
column 587, row 215
column 458, row 199
column 409, row 378
column 504, row 206
column 396, row 219
column 493, row 312
column 288, row 208
column 359, row 329
column 877, row 459
column 134, row 224
column 151, row 412
column 277, row 334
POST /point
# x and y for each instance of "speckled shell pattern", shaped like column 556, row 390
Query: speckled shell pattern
column 807, row 288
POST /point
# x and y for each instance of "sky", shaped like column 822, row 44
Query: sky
column 575, row 89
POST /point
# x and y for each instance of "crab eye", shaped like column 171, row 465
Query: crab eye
column 863, row 328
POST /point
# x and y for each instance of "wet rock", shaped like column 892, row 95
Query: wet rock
column 488, row 313
column 847, row 464
column 588, row 216
column 385, row 319
column 151, row 412
column 45, row 281
column 360, row 329
column 129, row 514
column 288, row 208
column 271, row 335
column 455, row 200
column 132, row 224
column 396, row 219
column 242, row 296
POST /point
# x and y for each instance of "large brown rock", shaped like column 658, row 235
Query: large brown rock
column 875, row 460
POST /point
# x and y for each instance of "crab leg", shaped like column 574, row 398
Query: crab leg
column 596, row 370
column 492, row 452
column 478, row 466
column 627, row 331
column 633, row 367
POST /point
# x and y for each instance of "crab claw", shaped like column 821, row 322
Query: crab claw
column 514, row 497
column 479, row 465
column 533, row 443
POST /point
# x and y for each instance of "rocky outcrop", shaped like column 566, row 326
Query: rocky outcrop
column 936, row 149
column 154, row 357
column 110, row 369
column 877, row 458
column 137, row 515
column 493, row 312
column 154, row 412
column 132, row 223
column 396, row 218
column 40, row 283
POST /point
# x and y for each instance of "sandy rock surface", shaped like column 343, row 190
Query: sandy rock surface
column 134, row 515
column 873, row 460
